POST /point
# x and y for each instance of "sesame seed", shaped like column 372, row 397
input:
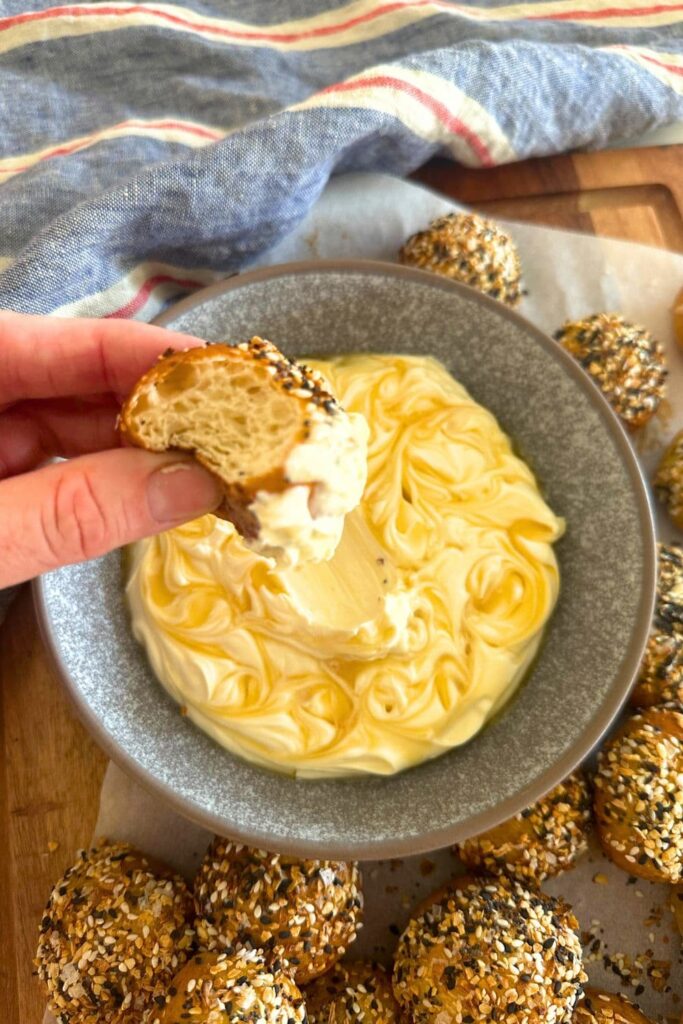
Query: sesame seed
column 646, row 756
column 306, row 912
column 668, row 480
column 493, row 933
column 468, row 248
column 85, row 915
column 625, row 361
column 554, row 834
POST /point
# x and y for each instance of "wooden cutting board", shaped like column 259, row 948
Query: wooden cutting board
column 50, row 771
column 634, row 194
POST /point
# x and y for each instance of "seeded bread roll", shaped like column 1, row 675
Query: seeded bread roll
column 471, row 249
column 624, row 360
column 669, row 605
column 607, row 1008
column 660, row 679
column 668, row 480
column 352, row 993
column 639, row 795
column 244, row 988
column 489, row 949
column 116, row 929
column 306, row 912
column 290, row 460
column 539, row 842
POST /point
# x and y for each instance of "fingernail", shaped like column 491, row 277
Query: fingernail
column 181, row 491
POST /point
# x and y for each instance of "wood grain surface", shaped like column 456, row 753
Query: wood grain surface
column 51, row 772
column 49, row 793
column 635, row 194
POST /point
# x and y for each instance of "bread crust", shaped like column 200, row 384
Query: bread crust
column 201, row 989
column 660, row 679
column 458, row 960
column 636, row 796
column 248, row 897
column 471, row 249
column 240, row 492
column 445, row 892
column 356, row 992
column 598, row 1007
column 540, row 842
column 661, row 672
column 668, row 480
column 304, row 388
column 139, row 906
column 625, row 361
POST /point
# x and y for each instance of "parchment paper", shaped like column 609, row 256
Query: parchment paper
column 568, row 275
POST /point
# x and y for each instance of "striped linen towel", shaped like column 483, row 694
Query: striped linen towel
column 147, row 148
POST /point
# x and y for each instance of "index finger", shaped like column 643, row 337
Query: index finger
column 45, row 357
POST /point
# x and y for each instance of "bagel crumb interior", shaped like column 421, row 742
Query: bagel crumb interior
column 228, row 411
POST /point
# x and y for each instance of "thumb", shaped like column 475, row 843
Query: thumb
column 80, row 509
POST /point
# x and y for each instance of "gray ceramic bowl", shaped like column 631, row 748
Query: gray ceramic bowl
column 589, row 474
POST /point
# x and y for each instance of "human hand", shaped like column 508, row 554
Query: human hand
column 61, row 383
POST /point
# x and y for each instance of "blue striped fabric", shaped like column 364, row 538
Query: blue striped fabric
column 147, row 148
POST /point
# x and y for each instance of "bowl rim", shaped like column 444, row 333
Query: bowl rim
column 546, row 780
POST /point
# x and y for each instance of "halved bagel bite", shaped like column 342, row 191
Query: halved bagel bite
column 292, row 463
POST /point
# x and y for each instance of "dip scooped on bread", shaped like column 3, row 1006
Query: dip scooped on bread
column 292, row 463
